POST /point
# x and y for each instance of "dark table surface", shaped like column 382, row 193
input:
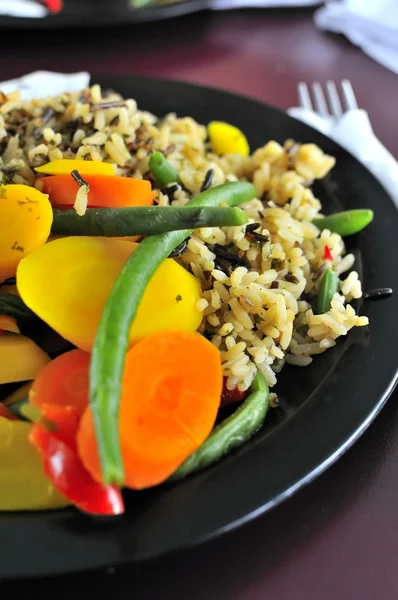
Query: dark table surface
column 336, row 539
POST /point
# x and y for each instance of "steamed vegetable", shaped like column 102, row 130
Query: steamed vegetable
column 162, row 170
column 23, row 484
column 20, row 358
column 121, row 310
column 25, row 223
column 65, row 166
column 83, row 270
column 104, row 191
column 227, row 139
column 232, row 432
column 55, row 439
column 329, row 287
column 347, row 222
column 63, row 381
column 119, row 222
column 171, row 391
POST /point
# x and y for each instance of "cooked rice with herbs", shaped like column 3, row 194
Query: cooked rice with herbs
column 258, row 281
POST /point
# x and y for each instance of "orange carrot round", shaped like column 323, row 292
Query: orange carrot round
column 106, row 191
column 171, row 393
column 63, row 381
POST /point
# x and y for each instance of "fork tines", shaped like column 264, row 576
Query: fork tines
column 326, row 103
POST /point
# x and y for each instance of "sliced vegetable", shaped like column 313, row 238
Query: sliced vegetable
column 13, row 306
column 231, row 396
column 347, row 222
column 172, row 386
column 20, row 358
column 122, row 306
column 104, row 192
column 63, row 381
column 232, row 432
column 23, row 484
column 119, row 222
column 162, row 170
column 65, row 166
column 55, row 439
column 25, row 223
column 83, row 271
column 330, row 285
column 327, row 255
column 227, row 139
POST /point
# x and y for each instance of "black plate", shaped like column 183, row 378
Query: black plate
column 324, row 407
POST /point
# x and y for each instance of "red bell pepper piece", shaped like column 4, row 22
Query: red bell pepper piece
column 55, row 439
column 231, row 396
column 53, row 6
column 327, row 255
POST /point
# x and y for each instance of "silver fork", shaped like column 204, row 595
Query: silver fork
column 328, row 104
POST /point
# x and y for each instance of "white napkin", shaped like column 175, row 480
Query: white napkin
column 354, row 132
column 22, row 8
column 40, row 84
column 370, row 24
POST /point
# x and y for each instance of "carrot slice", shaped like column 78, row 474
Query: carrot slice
column 171, row 393
column 63, row 381
column 105, row 191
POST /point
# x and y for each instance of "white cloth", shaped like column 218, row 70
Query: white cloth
column 22, row 8
column 354, row 132
column 370, row 24
column 46, row 83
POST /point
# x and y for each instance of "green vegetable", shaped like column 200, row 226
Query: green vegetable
column 143, row 220
column 232, row 432
column 12, row 305
column 162, row 170
column 330, row 285
column 347, row 222
column 111, row 342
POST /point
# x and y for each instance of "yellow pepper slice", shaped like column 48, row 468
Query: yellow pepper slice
column 26, row 217
column 227, row 139
column 23, row 484
column 20, row 358
column 82, row 271
column 65, row 166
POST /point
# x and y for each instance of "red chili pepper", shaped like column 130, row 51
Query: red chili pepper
column 55, row 439
column 53, row 6
column 327, row 255
column 6, row 413
column 231, row 396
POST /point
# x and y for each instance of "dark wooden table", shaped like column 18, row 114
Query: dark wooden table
column 337, row 539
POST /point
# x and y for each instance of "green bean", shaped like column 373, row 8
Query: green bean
column 234, row 431
column 13, row 306
column 111, row 342
column 347, row 222
column 144, row 220
column 329, row 287
column 162, row 170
